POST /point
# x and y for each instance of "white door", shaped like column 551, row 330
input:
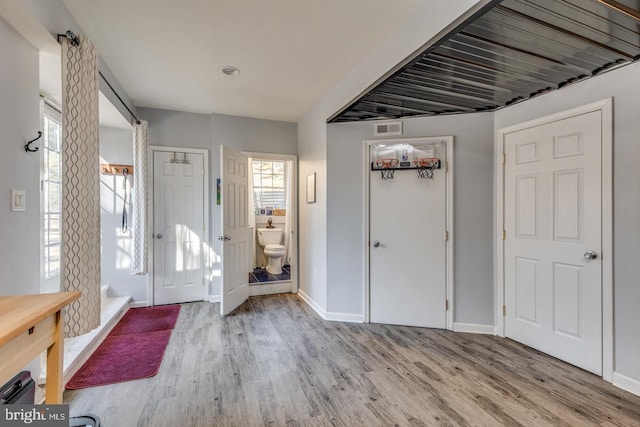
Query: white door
column 235, row 229
column 407, row 262
column 553, row 198
column 178, row 228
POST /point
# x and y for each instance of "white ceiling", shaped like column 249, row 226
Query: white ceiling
column 167, row 54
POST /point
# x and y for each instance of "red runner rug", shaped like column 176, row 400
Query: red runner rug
column 133, row 349
column 149, row 319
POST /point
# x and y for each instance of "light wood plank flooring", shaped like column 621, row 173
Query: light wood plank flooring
column 275, row 362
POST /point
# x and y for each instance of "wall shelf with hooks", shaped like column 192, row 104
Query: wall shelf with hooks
column 113, row 169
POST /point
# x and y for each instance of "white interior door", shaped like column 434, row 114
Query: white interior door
column 553, row 201
column 407, row 262
column 178, row 224
column 235, row 229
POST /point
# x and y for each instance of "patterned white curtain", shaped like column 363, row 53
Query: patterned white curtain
column 80, row 266
column 140, row 200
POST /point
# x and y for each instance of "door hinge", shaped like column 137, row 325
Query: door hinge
column 446, row 305
column 202, row 172
column 204, row 227
column 446, row 167
column 446, row 236
column 203, row 281
column 504, row 310
column 504, row 234
column 504, row 159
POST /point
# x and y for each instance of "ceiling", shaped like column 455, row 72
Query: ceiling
column 289, row 52
column 508, row 52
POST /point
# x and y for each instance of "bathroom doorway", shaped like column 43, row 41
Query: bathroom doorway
column 273, row 206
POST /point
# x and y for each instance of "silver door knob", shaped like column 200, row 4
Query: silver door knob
column 224, row 237
column 376, row 244
column 590, row 255
column 158, row 236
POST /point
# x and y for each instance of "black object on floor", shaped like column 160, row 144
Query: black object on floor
column 21, row 389
column 87, row 420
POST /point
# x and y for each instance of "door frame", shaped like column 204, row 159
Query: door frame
column 605, row 106
column 293, row 240
column 448, row 167
column 205, row 246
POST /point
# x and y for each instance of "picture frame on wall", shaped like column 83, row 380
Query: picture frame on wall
column 311, row 188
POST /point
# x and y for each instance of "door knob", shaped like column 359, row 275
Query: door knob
column 158, row 236
column 590, row 255
column 224, row 237
column 376, row 244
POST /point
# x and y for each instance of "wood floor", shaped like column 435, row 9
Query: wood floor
column 275, row 362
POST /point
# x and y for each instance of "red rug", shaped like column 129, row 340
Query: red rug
column 148, row 319
column 133, row 349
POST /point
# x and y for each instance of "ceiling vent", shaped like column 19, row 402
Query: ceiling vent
column 387, row 129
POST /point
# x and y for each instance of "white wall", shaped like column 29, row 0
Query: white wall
column 622, row 85
column 54, row 17
column 116, row 148
column 19, row 122
column 250, row 135
column 190, row 130
column 411, row 35
column 473, row 209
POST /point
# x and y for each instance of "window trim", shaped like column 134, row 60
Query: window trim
column 272, row 187
column 50, row 112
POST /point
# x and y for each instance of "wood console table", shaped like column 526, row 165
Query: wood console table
column 30, row 324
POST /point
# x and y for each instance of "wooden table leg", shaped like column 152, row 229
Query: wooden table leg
column 55, row 359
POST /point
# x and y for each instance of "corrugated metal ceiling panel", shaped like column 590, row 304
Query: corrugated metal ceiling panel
column 514, row 50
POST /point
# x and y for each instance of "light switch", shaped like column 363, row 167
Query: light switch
column 18, row 200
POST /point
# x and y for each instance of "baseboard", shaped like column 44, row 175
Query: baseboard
column 331, row 316
column 629, row 384
column 215, row 298
column 138, row 304
column 344, row 317
column 311, row 303
column 472, row 328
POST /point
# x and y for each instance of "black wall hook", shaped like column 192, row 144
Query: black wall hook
column 27, row 146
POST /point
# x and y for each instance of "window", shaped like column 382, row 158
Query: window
column 268, row 184
column 52, row 189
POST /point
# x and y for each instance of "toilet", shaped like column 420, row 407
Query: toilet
column 270, row 239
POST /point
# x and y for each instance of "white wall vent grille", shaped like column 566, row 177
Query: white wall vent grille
column 387, row 129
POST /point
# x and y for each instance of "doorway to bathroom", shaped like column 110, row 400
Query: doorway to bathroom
column 272, row 223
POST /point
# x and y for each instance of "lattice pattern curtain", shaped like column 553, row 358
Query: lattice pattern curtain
column 140, row 200
column 80, row 266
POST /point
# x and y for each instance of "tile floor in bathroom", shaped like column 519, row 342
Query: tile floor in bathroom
column 260, row 275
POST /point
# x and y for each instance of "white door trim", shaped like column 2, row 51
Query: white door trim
column 448, row 167
column 294, row 212
column 206, row 247
column 606, row 107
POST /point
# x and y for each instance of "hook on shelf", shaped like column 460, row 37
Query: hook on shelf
column 27, row 146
